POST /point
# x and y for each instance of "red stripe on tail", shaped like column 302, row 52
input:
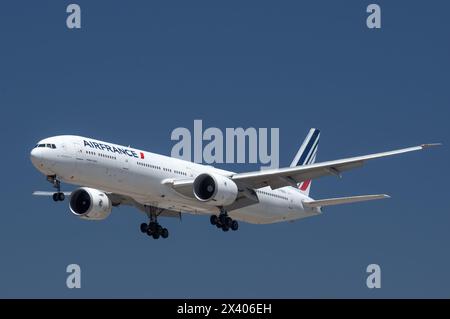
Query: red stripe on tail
column 305, row 185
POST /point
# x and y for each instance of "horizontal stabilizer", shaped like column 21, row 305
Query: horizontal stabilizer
column 343, row 200
column 42, row 193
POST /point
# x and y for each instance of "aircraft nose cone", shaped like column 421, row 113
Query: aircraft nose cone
column 36, row 157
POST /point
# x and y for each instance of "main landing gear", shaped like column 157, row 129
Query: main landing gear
column 58, row 196
column 224, row 222
column 153, row 228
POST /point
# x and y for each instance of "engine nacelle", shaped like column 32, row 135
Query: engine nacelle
column 90, row 203
column 215, row 189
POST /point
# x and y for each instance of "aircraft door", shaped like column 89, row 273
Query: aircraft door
column 124, row 169
column 78, row 152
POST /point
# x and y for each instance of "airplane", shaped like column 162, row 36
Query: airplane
column 160, row 186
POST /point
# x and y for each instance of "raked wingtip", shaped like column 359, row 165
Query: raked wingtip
column 430, row 145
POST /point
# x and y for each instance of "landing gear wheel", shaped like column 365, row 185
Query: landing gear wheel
column 152, row 226
column 61, row 197
column 228, row 222
column 55, row 197
column 144, row 227
column 223, row 219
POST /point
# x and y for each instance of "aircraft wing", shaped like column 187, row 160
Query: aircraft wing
column 44, row 193
column 118, row 199
column 290, row 176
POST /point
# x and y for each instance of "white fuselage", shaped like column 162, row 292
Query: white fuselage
column 142, row 176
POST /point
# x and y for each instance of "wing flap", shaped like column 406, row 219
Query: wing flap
column 343, row 200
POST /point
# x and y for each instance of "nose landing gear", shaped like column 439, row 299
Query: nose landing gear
column 58, row 196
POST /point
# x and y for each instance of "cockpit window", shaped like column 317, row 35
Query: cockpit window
column 53, row 146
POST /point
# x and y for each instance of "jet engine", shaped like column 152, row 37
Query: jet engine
column 90, row 203
column 215, row 189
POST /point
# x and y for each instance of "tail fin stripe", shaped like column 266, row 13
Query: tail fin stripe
column 306, row 155
column 313, row 153
column 305, row 185
column 311, row 142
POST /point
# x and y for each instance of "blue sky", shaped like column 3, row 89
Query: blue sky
column 134, row 72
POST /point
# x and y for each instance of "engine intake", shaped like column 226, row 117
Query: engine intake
column 215, row 189
column 90, row 203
